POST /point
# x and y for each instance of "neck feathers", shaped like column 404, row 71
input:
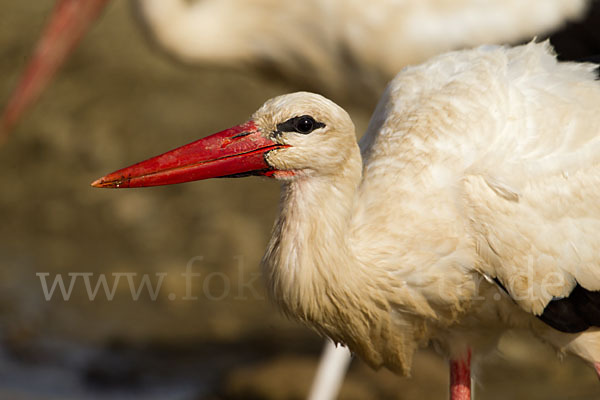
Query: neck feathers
column 309, row 252
column 315, row 276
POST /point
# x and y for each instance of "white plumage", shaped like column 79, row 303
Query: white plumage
column 477, row 164
column 342, row 47
column 493, row 153
column 471, row 207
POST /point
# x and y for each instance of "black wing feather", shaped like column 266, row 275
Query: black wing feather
column 577, row 312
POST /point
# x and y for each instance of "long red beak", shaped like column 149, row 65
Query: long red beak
column 238, row 151
column 70, row 20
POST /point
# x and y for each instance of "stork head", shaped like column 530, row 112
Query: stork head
column 315, row 131
column 291, row 136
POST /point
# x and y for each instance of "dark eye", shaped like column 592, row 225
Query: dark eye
column 304, row 124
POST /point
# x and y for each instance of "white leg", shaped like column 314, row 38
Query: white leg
column 330, row 374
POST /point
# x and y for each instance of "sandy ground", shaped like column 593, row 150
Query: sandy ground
column 119, row 101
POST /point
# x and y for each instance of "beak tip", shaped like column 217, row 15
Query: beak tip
column 101, row 183
column 112, row 181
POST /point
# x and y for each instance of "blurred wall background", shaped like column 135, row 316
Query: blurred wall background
column 118, row 101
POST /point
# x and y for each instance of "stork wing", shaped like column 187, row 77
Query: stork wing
column 536, row 218
column 494, row 150
column 543, row 243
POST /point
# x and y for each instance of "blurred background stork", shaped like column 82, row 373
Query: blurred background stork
column 112, row 103
column 342, row 48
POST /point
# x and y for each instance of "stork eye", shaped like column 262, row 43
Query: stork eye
column 304, row 124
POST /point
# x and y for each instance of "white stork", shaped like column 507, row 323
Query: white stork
column 345, row 48
column 329, row 43
column 471, row 206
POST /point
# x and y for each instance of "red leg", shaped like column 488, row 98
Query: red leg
column 460, row 378
column 68, row 23
column 597, row 368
